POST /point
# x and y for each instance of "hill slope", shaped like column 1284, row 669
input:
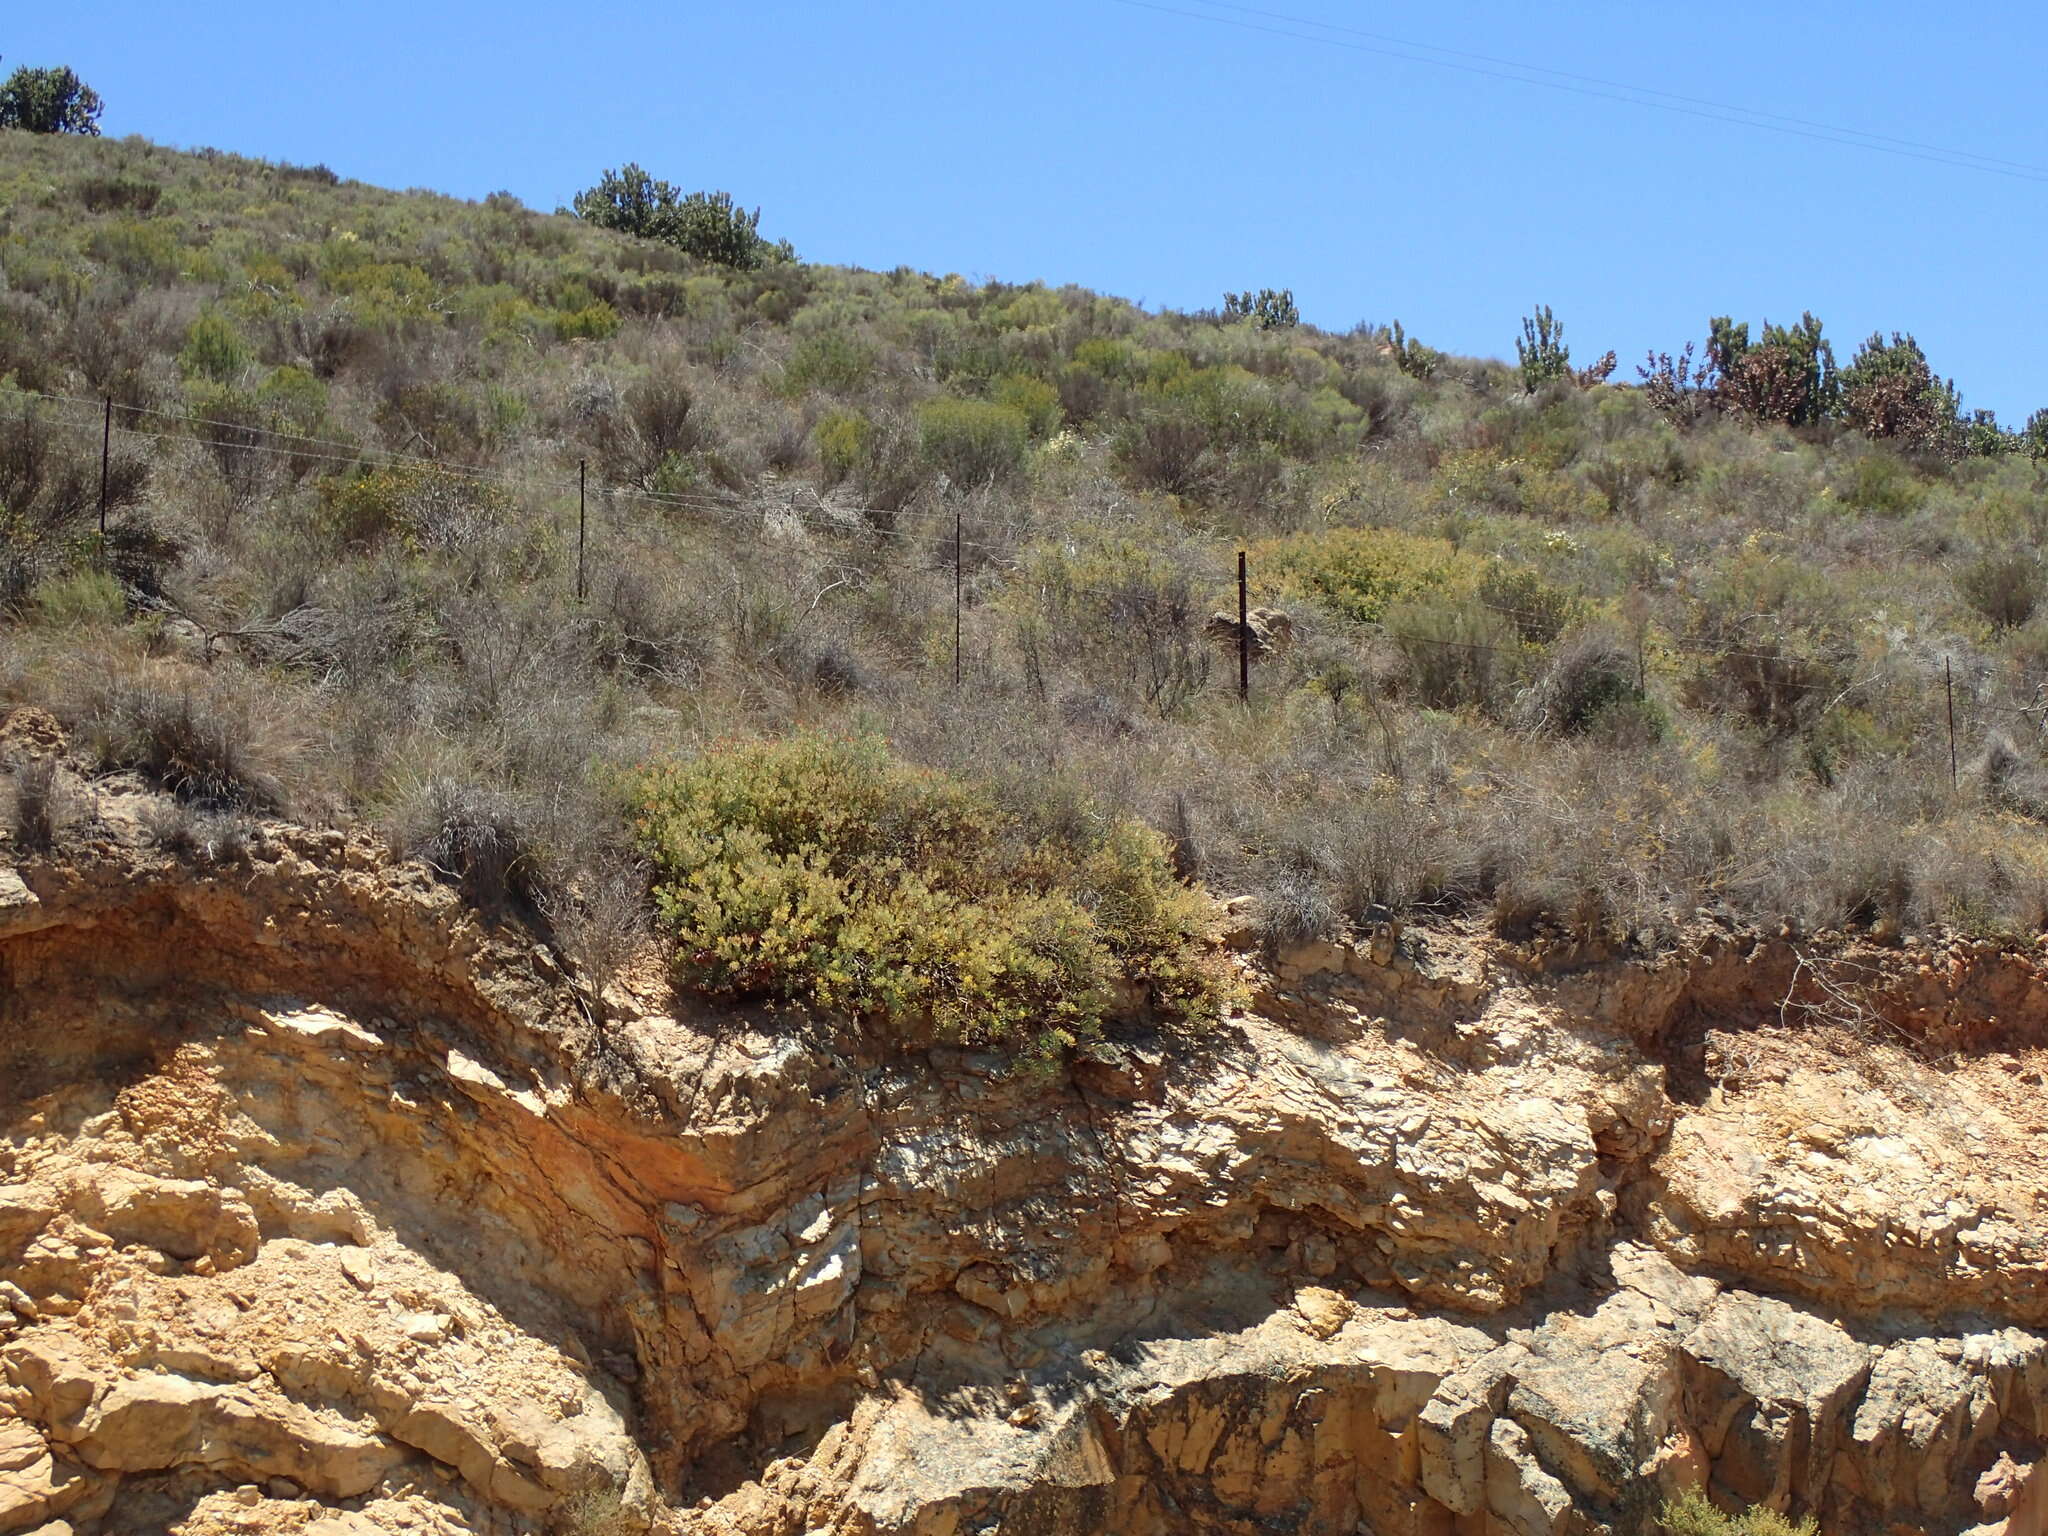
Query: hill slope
column 1557, row 656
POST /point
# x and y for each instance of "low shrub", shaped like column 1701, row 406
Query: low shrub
column 207, row 742
column 1460, row 654
column 214, row 349
column 35, row 803
column 200, row 837
column 1693, row 1514
column 1166, row 450
column 472, row 834
column 80, row 598
column 1361, row 572
column 1589, row 677
column 1038, row 401
column 971, row 441
column 600, row 921
column 834, row 361
column 842, row 439
column 828, row 872
column 1539, row 611
column 1123, row 610
column 2005, row 586
column 596, row 321
column 422, row 506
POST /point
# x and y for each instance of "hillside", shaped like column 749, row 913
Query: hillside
column 637, row 896
column 1557, row 656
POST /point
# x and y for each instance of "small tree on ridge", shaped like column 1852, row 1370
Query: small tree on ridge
column 49, row 101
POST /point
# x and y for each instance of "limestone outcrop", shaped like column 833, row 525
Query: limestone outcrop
column 327, row 1206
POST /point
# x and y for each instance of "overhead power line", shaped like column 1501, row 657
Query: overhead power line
column 1356, row 40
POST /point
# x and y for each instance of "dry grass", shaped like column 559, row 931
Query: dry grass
column 1632, row 668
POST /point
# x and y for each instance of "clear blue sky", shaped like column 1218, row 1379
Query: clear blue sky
column 1167, row 159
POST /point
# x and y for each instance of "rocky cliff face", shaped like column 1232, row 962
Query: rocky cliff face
column 326, row 1208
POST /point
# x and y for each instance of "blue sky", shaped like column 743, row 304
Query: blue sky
column 1167, row 158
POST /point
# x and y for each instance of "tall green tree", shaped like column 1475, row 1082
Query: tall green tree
column 49, row 101
column 708, row 225
column 1542, row 351
column 1789, row 376
column 1272, row 309
column 1889, row 391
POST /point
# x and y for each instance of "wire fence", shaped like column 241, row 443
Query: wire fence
column 945, row 554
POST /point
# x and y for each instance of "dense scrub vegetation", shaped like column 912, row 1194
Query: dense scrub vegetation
column 1564, row 652
column 829, row 872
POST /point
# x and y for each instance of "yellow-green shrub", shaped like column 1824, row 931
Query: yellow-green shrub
column 1361, row 571
column 83, row 597
column 1037, row 400
column 826, row 871
column 214, row 350
column 423, row 506
column 1692, row 1514
column 595, row 321
column 842, row 438
column 972, row 440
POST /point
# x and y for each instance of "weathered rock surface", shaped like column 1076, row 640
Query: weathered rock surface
column 324, row 1208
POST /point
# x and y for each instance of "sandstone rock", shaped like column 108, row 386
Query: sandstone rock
column 1592, row 1390
column 52, row 1370
column 1267, row 1280
column 35, row 1483
column 452, row 1436
column 1323, row 1311
column 20, row 907
column 152, row 1423
column 24, row 1212
column 1524, row 1497
column 1453, row 1430
column 185, row 1218
column 1767, row 1386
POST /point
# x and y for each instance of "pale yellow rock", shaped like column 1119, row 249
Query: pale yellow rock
column 1324, row 1312
column 1417, row 1245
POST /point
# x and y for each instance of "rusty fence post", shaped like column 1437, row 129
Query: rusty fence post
column 1244, row 635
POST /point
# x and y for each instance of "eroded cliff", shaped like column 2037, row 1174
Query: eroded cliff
column 326, row 1206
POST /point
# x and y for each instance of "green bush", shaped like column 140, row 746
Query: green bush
column 842, row 439
column 1542, row 350
column 708, row 225
column 144, row 251
column 49, row 101
column 972, row 441
column 596, row 321
column 1361, row 571
column 1539, row 611
column 83, row 598
column 827, row 872
column 829, row 360
column 1037, row 401
column 1691, row 1514
column 2005, row 586
column 214, row 350
column 423, row 506
column 1270, row 309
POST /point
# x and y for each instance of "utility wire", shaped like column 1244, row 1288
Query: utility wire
column 1878, row 139
column 1850, row 138
column 940, row 547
